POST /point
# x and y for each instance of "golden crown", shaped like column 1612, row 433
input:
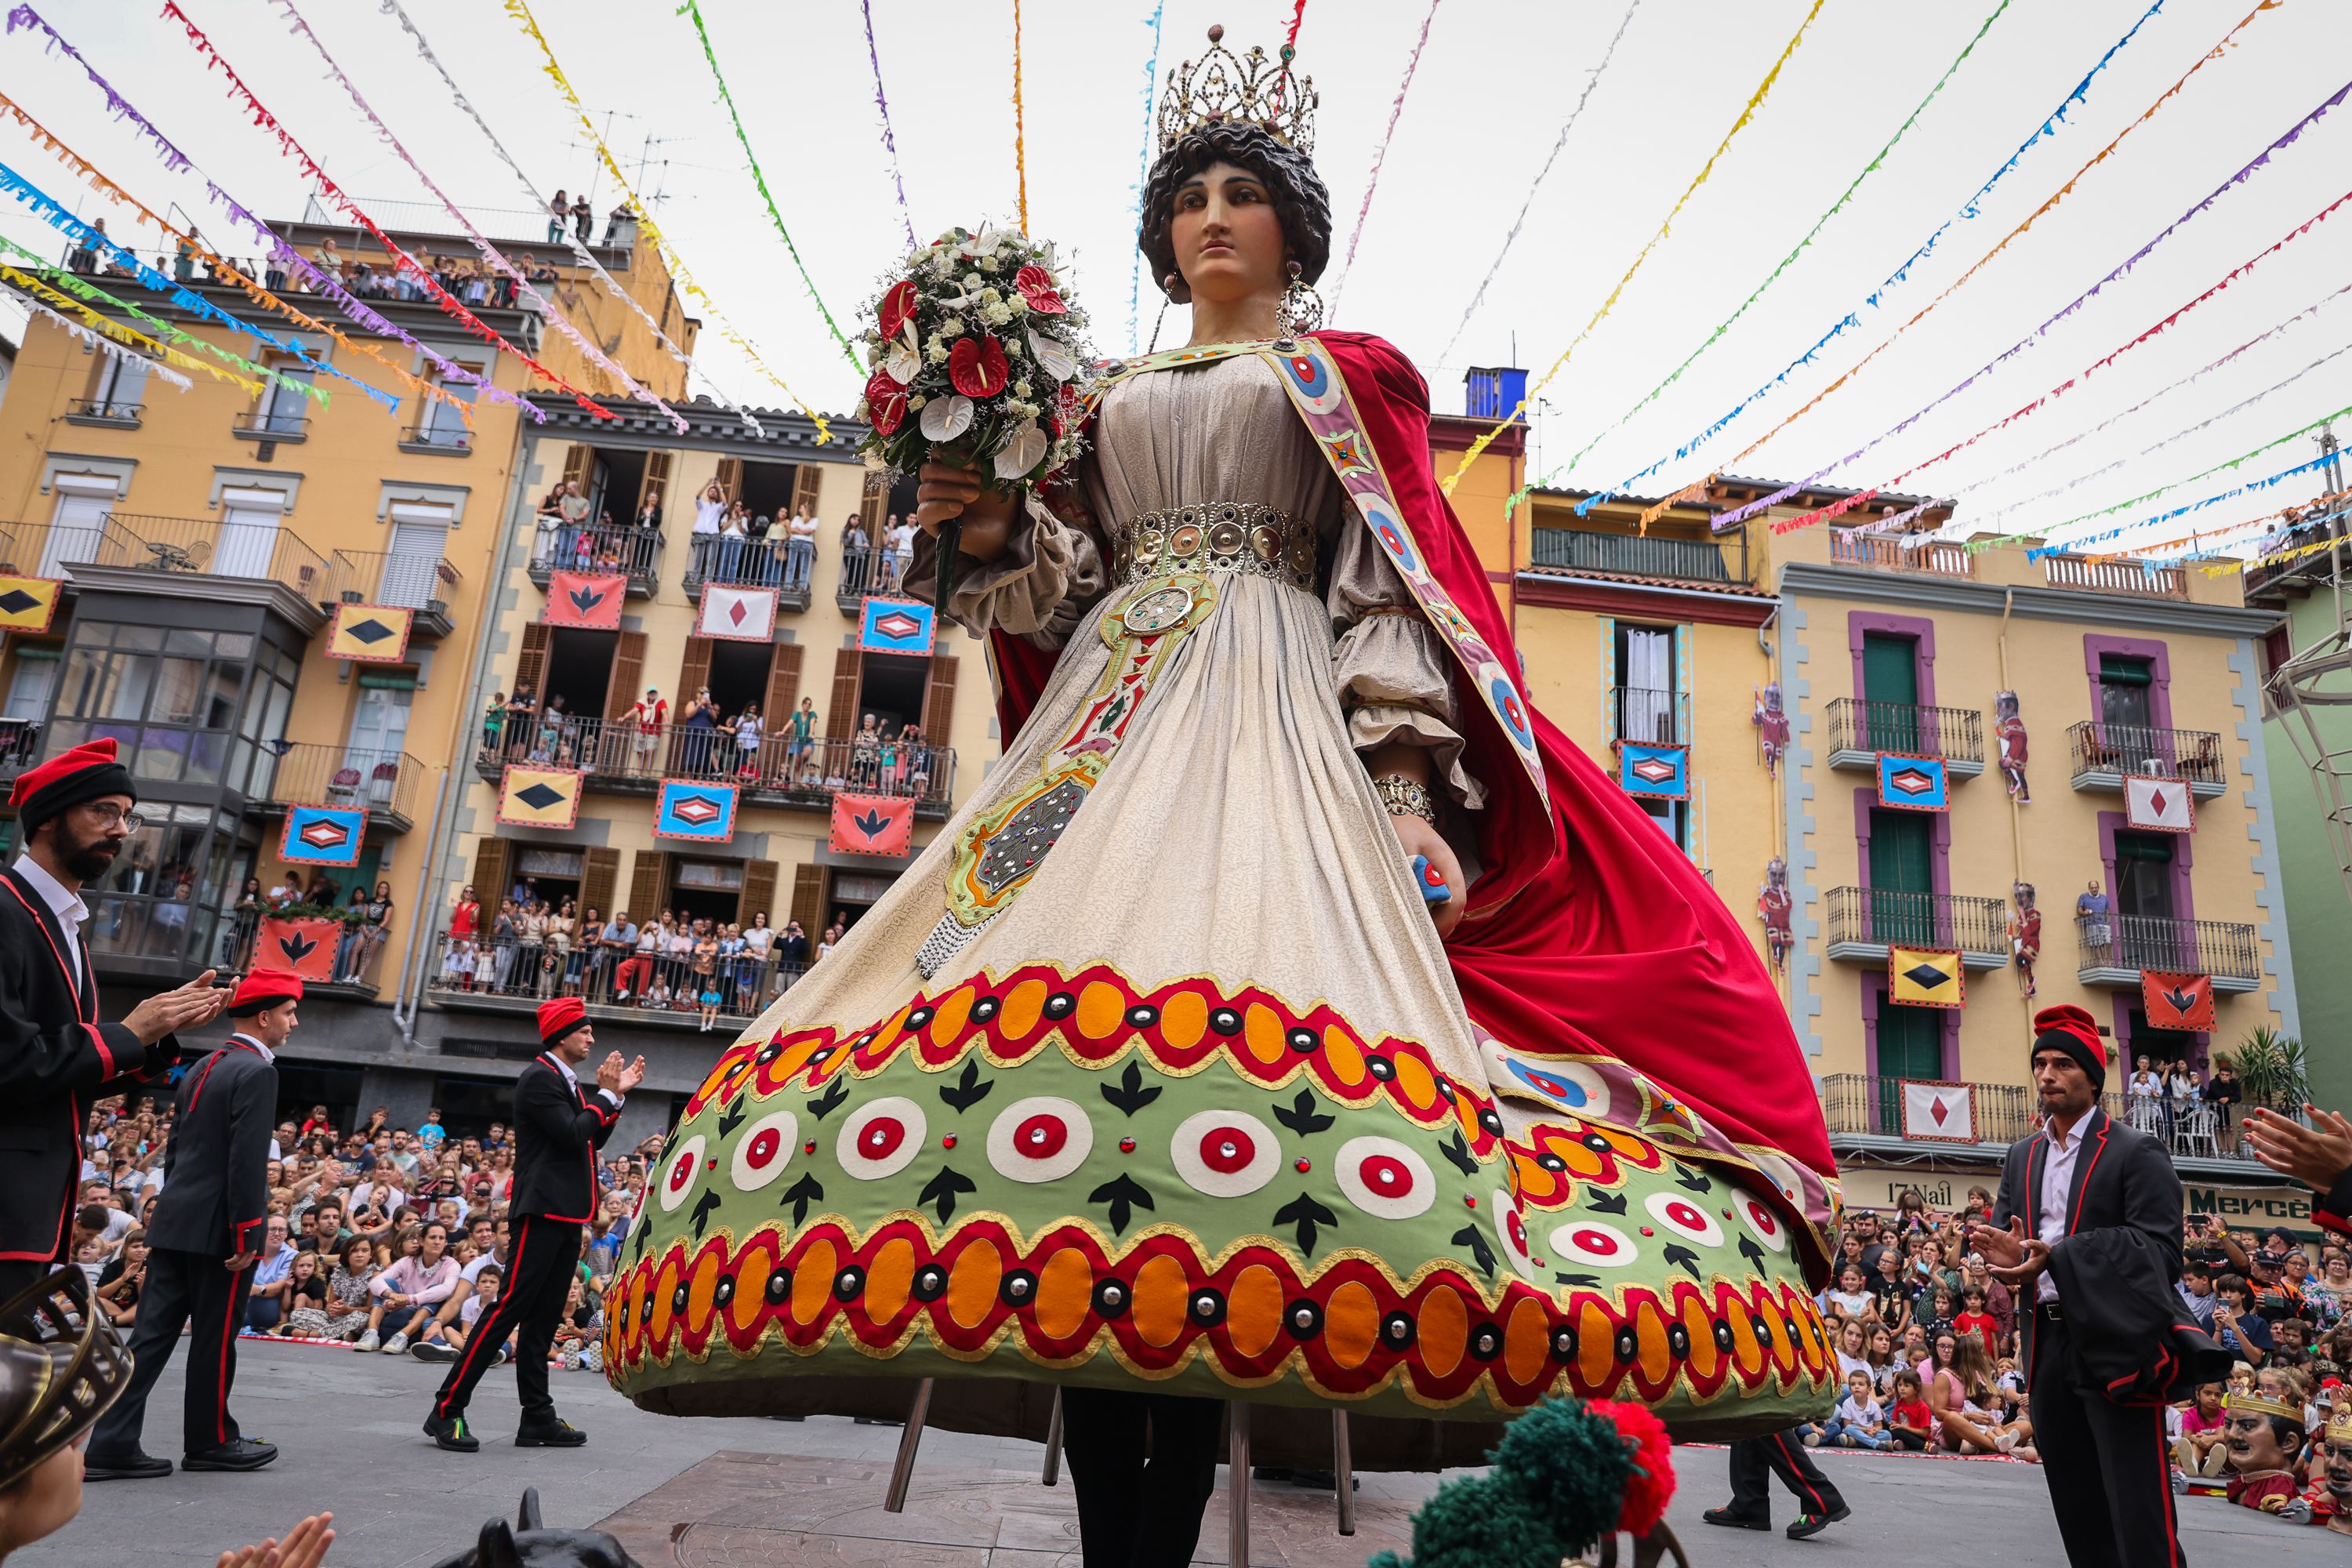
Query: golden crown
column 2262, row 1405
column 1245, row 90
column 2339, row 1425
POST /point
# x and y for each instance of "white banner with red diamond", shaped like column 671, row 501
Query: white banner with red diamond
column 2158, row 805
column 739, row 614
column 1940, row 1112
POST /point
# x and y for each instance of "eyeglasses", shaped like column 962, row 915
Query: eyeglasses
column 108, row 814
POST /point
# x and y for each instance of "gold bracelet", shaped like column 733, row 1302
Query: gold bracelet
column 1406, row 797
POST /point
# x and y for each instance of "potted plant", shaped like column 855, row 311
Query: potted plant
column 2273, row 1070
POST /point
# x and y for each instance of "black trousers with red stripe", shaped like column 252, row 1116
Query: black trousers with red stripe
column 541, row 1265
column 1754, row 1462
column 2109, row 1471
column 182, row 1289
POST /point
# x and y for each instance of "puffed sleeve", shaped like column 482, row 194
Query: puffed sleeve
column 1039, row 589
column 1396, row 682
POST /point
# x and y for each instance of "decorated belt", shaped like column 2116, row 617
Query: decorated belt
column 1216, row 536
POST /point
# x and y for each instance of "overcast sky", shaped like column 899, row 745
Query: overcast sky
column 1496, row 82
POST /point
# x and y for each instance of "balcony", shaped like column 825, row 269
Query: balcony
column 865, row 572
column 389, row 784
column 208, row 546
column 1860, row 729
column 2093, row 575
column 621, row 758
column 271, row 426
column 1865, row 922
column 1911, row 553
column 106, row 413
column 504, row 975
column 1641, row 556
column 1648, row 717
column 2282, row 580
column 507, row 226
column 634, row 553
column 734, row 561
column 437, row 440
column 2115, row 949
column 1859, row 1107
column 20, row 746
column 401, row 582
column 2103, row 754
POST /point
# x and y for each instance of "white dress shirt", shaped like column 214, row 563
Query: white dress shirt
column 2057, row 1185
column 68, row 906
column 266, row 1054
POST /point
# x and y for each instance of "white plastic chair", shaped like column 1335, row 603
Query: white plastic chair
column 2200, row 1131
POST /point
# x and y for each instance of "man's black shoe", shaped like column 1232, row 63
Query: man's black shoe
column 1814, row 1524
column 1723, row 1516
column 134, row 1466
column 451, row 1432
column 245, row 1453
column 550, row 1435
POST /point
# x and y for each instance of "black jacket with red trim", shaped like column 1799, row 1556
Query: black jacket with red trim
column 2333, row 1208
column 558, row 1129
column 2130, row 1339
column 215, row 1197
column 2123, row 1179
column 55, row 1060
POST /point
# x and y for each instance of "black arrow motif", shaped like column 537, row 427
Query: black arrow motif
column 801, row 1193
column 1473, row 1237
column 1607, row 1202
column 1753, row 1253
column 644, row 1233
column 1459, row 1152
column 1131, row 1095
column 2181, row 1000
column 1589, row 1281
column 1305, row 1213
column 708, row 1201
column 1121, row 1191
column 1692, row 1181
column 1301, row 1117
column 830, row 1100
column 870, row 823
column 1683, row 1259
column 966, row 1092
column 586, row 599
column 298, row 947
column 942, row 1189
column 732, row 1117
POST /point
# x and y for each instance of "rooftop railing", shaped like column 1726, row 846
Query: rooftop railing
column 2099, row 576
column 402, row 581
column 1863, row 1105
column 1900, row 552
column 661, row 989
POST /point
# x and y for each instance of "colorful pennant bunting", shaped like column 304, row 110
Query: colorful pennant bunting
column 891, row 142
column 1142, row 172
column 1380, row 156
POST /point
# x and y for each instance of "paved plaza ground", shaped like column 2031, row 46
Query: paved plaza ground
column 751, row 1494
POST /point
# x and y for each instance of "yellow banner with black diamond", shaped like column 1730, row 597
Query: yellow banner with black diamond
column 369, row 634
column 1925, row 977
column 28, row 604
column 539, row 797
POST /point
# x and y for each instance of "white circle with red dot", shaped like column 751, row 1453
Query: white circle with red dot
column 1385, row 1178
column 1041, row 1139
column 685, row 1162
column 1763, row 1220
column 1225, row 1154
column 1592, row 1244
column 1678, row 1213
column 766, row 1147
column 882, row 1139
column 1511, row 1230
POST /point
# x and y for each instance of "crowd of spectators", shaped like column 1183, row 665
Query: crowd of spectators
column 379, row 1238
column 2167, row 1099
column 727, row 542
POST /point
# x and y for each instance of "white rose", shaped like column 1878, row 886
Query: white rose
column 995, row 315
column 917, row 400
column 988, row 264
column 1021, row 389
column 938, row 353
column 950, row 326
column 1020, row 306
column 1012, row 347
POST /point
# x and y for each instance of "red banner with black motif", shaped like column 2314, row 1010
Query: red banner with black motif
column 585, row 599
column 2177, row 1001
column 873, row 824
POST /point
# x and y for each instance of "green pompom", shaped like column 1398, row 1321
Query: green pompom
column 1571, row 1467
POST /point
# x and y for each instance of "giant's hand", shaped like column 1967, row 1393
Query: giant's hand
column 945, row 491
column 196, row 1002
column 2314, row 1155
column 1420, row 836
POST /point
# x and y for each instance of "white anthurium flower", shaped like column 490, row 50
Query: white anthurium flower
column 1022, row 453
column 1052, row 358
column 1046, row 256
column 946, row 419
column 981, row 243
column 903, row 363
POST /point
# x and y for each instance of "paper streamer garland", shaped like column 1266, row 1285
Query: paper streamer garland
column 1892, row 280
column 882, row 106
column 588, row 348
column 1144, row 171
column 1877, row 160
column 1020, row 141
column 1380, row 156
column 520, row 10
column 759, row 178
column 36, row 289
column 112, row 349
column 2067, row 546
column 1747, row 113
column 1591, row 80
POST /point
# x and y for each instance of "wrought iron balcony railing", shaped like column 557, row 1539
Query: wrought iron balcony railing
column 1907, row 729
column 1866, row 921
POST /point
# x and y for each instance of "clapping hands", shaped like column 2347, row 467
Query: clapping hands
column 619, row 1078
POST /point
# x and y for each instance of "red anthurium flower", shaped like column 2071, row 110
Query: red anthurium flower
column 897, row 306
column 1037, row 286
column 1063, row 412
column 978, row 367
column 886, row 402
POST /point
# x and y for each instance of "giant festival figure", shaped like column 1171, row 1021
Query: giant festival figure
column 1153, row 1081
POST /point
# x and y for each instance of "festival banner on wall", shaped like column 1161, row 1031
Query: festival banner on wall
column 2157, row 805
column 2177, row 1001
column 28, row 604
column 590, row 600
column 697, row 811
column 1940, row 1112
column 895, row 626
column 1925, row 977
column 1661, row 772
column 303, row 947
column 873, row 824
column 369, row 634
column 737, row 614
column 322, row 835
column 1914, row 783
column 539, row 798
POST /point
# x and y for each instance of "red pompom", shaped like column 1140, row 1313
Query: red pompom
column 1651, row 1485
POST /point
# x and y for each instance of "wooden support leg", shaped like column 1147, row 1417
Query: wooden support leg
column 1238, row 1461
column 1054, row 1442
column 903, row 1469
column 1343, row 1471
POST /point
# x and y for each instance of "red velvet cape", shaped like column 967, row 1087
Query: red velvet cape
column 1589, row 931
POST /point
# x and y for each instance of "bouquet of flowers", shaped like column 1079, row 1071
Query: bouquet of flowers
column 977, row 357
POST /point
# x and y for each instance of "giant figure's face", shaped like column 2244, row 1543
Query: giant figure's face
column 2339, row 1472
column 2256, row 1442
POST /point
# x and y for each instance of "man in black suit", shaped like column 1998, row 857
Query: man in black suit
column 203, row 1237
column 73, row 814
column 559, row 1127
column 2105, row 1463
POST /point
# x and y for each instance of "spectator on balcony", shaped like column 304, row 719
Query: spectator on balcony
column 635, row 969
column 583, row 217
column 2223, row 1094
column 800, row 549
column 347, row 944
column 865, row 755
column 858, row 572
column 677, row 956
column 914, row 762
column 733, row 534
column 83, row 256
column 758, row 946
column 648, row 526
column 494, row 719
column 464, row 925
column 759, row 563
column 704, row 974
column 615, row 945
column 587, row 952
column 559, row 212
column 331, row 260
column 793, row 952
column 648, row 714
column 2146, row 1095
column 2090, row 912
column 503, row 936
column 522, row 710
column 702, row 545
column 571, row 517
column 620, row 225
column 800, row 736
column 531, row 944
column 556, row 966
column 698, row 726
column 183, row 261
column 748, row 733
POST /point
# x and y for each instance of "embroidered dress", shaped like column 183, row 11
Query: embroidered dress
column 1152, row 1070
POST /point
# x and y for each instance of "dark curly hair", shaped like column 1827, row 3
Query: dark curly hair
column 1300, row 202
